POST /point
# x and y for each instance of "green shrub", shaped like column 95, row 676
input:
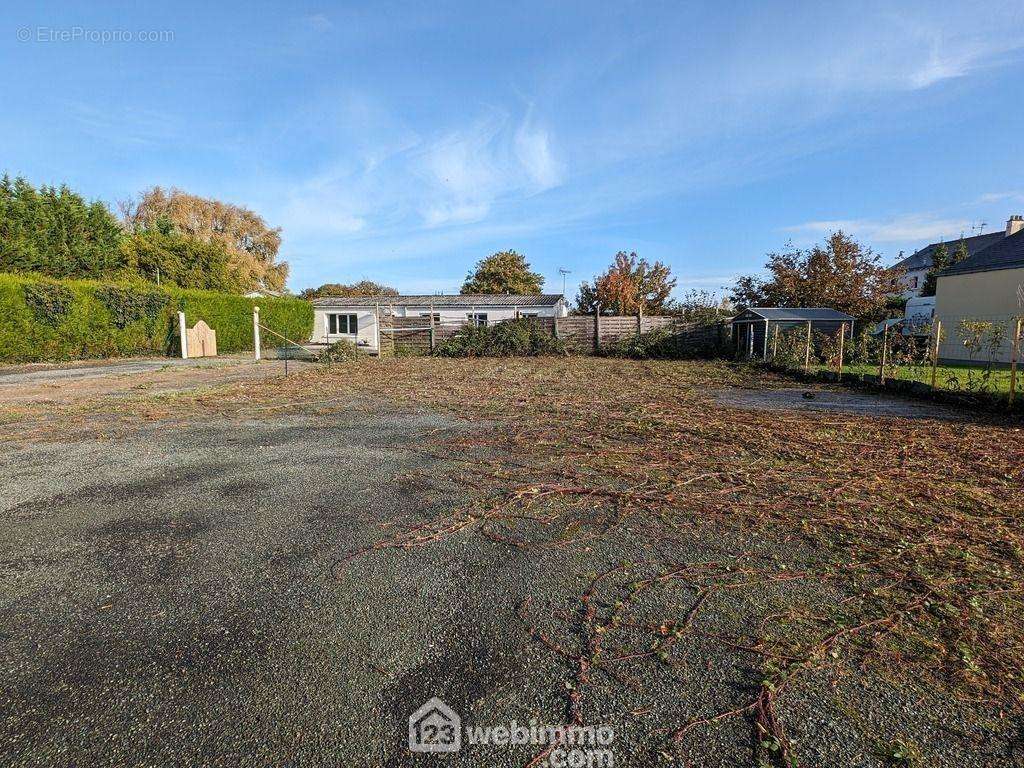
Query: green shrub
column 130, row 305
column 658, row 344
column 339, row 351
column 49, row 302
column 512, row 338
column 76, row 319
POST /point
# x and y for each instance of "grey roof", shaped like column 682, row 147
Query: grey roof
column 1007, row 253
column 802, row 314
column 922, row 259
column 452, row 300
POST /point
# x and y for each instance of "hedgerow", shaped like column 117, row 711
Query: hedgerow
column 43, row 319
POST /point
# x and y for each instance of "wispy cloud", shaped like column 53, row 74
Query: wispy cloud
column 1001, row 197
column 898, row 229
column 126, row 124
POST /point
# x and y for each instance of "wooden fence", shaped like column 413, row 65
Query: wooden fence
column 582, row 334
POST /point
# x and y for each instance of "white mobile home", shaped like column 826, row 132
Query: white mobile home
column 359, row 319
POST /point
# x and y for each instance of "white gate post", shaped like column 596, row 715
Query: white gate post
column 184, row 336
column 376, row 327
column 256, row 331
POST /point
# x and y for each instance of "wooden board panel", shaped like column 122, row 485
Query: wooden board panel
column 202, row 340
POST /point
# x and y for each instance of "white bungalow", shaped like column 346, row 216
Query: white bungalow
column 359, row 318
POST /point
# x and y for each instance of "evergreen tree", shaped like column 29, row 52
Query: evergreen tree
column 940, row 260
column 53, row 231
column 961, row 251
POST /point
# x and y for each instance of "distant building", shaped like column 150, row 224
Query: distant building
column 918, row 263
column 355, row 318
column 988, row 286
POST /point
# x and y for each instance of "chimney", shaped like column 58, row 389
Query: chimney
column 1015, row 224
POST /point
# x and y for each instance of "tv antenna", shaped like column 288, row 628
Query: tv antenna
column 563, row 272
column 980, row 227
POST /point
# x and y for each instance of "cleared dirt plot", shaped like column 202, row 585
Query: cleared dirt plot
column 253, row 570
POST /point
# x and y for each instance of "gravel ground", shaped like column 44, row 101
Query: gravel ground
column 170, row 597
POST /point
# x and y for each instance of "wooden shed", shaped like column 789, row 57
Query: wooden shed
column 753, row 328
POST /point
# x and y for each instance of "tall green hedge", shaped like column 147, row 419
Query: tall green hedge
column 44, row 319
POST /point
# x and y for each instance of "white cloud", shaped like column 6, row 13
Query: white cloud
column 318, row 22
column 1001, row 197
column 898, row 229
column 533, row 148
column 468, row 170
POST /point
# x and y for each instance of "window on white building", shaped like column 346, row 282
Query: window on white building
column 338, row 324
column 477, row 318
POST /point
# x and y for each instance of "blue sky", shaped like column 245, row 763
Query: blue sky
column 402, row 142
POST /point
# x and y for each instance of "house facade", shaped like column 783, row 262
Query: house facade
column 987, row 287
column 917, row 265
column 360, row 319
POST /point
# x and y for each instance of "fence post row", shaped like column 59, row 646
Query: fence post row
column 256, row 331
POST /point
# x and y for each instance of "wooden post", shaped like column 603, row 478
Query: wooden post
column 775, row 343
column 376, row 326
column 256, row 331
column 640, row 321
column 184, row 335
column 885, row 350
column 765, row 355
column 935, row 351
column 597, row 328
column 807, row 351
column 1013, row 360
column 842, row 344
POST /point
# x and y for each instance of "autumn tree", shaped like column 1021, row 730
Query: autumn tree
column 253, row 245
column 629, row 286
column 504, row 272
column 362, row 288
column 841, row 274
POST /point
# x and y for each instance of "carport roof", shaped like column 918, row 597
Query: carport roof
column 799, row 314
